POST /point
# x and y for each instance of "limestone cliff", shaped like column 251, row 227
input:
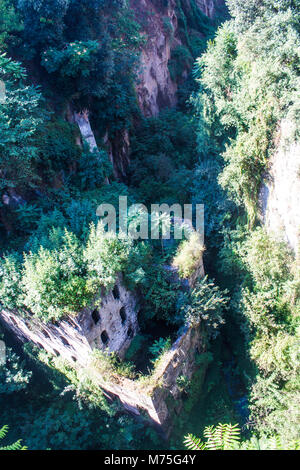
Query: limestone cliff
column 155, row 89
column 280, row 195
column 160, row 21
column 211, row 8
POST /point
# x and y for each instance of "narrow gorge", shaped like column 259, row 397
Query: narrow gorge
column 126, row 324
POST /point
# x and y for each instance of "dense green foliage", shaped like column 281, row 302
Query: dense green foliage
column 60, row 409
column 205, row 303
column 265, row 302
column 248, row 82
column 60, row 276
column 20, row 117
column 13, row 376
column 212, row 149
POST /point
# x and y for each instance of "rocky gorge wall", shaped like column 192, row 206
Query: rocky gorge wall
column 155, row 89
column 160, row 24
column 211, row 8
column 280, row 194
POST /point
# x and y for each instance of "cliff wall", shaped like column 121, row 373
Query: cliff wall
column 280, row 195
column 160, row 23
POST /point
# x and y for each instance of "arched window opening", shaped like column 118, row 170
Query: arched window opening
column 123, row 315
column 96, row 316
column 104, row 337
column 46, row 334
column 65, row 342
column 116, row 292
column 130, row 333
column 13, row 321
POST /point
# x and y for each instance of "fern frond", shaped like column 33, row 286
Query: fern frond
column 220, row 437
column 295, row 445
column 3, row 431
column 231, row 436
column 15, row 446
column 212, row 440
column 274, row 443
column 194, row 443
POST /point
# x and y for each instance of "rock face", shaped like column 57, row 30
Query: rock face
column 280, row 195
column 82, row 120
column 110, row 325
column 211, row 7
column 155, row 88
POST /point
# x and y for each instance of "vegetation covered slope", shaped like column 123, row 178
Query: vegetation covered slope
column 249, row 81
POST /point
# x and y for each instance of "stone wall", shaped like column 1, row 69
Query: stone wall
column 110, row 324
column 159, row 395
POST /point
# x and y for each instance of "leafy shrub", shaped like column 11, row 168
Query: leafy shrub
column 13, row 376
column 106, row 254
column 75, row 59
column 57, row 147
column 160, row 295
column 159, row 347
column 183, row 383
column 20, row 118
column 206, row 303
column 189, row 256
column 10, row 281
column 55, row 281
column 181, row 60
column 109, row 364
column 168, row 26
column 92, row 169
